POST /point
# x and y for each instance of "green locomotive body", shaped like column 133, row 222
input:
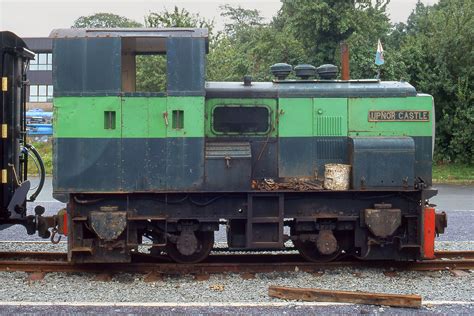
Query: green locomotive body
column 174, row 166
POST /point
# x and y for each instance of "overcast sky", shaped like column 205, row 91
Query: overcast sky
column 31, row 18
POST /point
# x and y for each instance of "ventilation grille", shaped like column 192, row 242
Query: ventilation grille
column 228, row 149
column 328, row 126
column 331, row 148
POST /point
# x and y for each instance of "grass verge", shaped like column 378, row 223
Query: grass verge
column 45, row 149
column 453, row 173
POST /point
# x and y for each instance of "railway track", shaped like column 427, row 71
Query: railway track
column 222, row 263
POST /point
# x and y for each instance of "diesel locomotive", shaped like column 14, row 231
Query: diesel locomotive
column 175, row 166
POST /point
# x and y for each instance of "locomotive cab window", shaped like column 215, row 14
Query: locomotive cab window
column 241, row 120
column 143, row 65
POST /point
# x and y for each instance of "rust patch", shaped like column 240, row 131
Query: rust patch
column 391, row 274
column 201, row 277
column 108, row 225
column 441, row 222
column 294, row 184
column 383, row 222
column 247, row 276
column 36, row 276
column 153, row 277
column 103, row 277
column 459, row 273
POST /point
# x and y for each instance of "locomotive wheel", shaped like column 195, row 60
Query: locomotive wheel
column 309, row 251
column 204, row 247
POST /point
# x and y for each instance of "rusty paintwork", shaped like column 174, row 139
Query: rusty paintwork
column 441, row 222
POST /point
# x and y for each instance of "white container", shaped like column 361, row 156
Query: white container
column 337, row 176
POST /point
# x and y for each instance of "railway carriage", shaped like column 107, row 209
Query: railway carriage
column 173, row 166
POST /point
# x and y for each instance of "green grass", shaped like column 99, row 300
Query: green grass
column 45, row 149
column 453, row 173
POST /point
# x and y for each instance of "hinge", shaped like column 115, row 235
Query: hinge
column 4, row 84
column 4, row 175
column 4, row 130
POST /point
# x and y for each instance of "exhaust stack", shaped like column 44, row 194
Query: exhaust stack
column 345, row 71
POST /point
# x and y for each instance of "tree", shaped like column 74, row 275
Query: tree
column 104, row 20
column 436, row 45
column 151, row 69
column 177, row 18
column 248, row 46
column 240, row 19
column 372, row 23
column 321, row 25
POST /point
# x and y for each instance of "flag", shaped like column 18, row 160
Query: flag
column 379, row 55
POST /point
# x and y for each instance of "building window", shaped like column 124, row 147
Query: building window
column 43, row 61
column 41, row 93
column 241, row 119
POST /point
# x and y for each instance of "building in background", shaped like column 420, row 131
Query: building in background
column 40, row 74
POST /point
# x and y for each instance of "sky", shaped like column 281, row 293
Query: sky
column 36, row 18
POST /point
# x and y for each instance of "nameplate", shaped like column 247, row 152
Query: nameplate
column 399, row 116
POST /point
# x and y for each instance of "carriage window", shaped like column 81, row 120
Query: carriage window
column 240, row 119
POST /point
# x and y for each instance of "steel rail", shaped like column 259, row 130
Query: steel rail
column 446, row 254
column 57, row 262
column 466, row 254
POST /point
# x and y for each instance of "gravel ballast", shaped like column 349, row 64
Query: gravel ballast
column 83, row 287
column 62, row 287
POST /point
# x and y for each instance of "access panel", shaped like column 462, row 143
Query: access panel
column 382, row 162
